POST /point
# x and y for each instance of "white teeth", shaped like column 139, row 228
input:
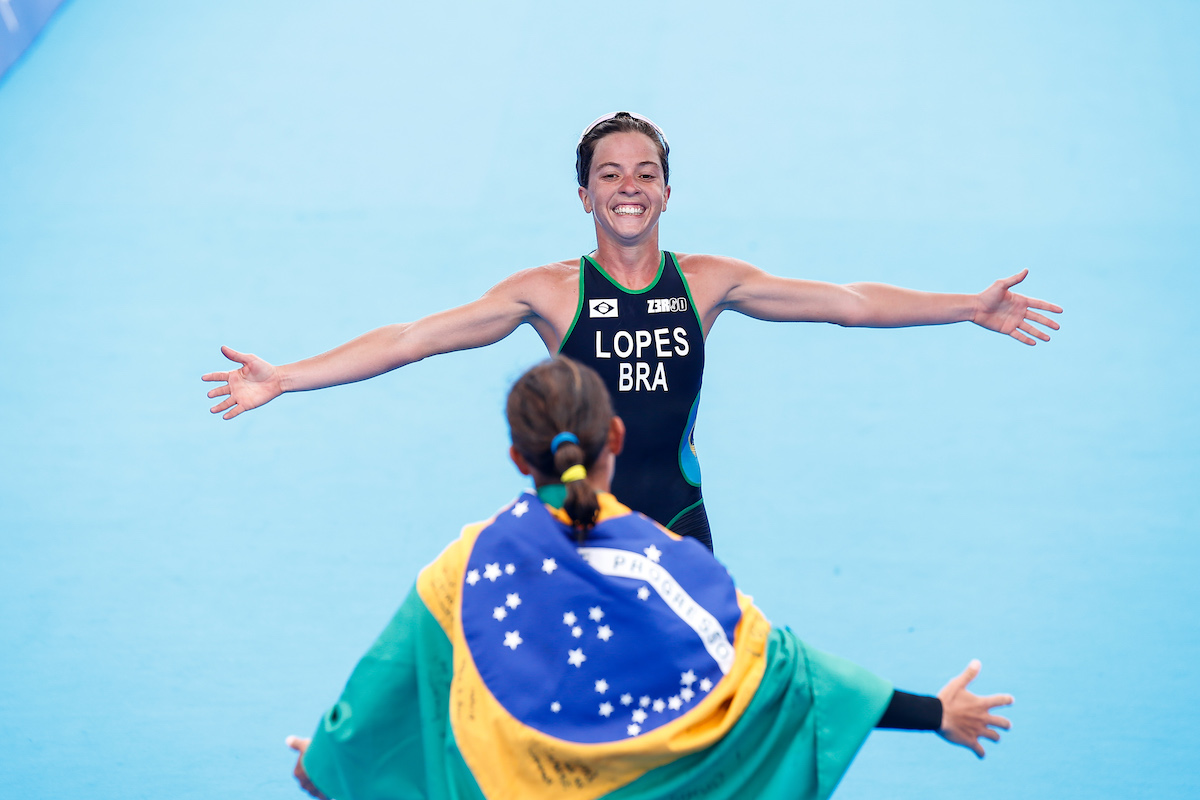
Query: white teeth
column 632, row 211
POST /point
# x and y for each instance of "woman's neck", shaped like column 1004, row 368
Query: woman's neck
column 633, row 267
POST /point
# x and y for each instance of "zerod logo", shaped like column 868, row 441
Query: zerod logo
column 664, row 305
column 603, row 308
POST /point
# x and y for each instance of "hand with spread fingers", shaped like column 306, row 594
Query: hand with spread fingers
column 256, row 383
column 1012, row 314
column 300, row 745
column 966, row 716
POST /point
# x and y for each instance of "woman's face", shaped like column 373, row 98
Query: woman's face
column 626, row 192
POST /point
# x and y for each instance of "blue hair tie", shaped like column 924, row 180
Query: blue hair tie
column 565, row 436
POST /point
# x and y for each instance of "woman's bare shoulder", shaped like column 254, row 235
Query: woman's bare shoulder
column 549, row 273
column 549, row 292
column 711, row 270
column 546, row 277
column 561, row 270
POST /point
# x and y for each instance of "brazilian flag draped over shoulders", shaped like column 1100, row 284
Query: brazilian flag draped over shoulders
column 523, row 665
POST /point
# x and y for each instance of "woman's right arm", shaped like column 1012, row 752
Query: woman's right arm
column 485, row 321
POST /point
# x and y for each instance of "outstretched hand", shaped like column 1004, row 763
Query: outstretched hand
column 255, row 384
column 967, row 716
column 1012, row 314
column 300, row 745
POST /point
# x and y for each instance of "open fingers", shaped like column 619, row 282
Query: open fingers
column 234, row 355
column 999, row 722
column 215, row 376
column 1022, row 338
column 988, row 733
column 1033, row 302
column 960, row 682
column 224, row 405
column 1010, row 282
column 997, row 700
column 1041, row 320
column 220, row 390
column 1032, row 331
column 233, row 412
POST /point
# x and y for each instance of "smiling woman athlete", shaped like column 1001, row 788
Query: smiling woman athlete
column 637, row 315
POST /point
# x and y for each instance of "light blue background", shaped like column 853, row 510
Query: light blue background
column 178, row 593
column 20, row 22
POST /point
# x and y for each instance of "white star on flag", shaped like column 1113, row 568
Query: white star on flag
column 473, row 577
column 576, row 657
column 687, row 694
column 675, row 703
column 643, row 593
column 510, row 569
column 569, row 618
column 513, row 601
column 688, row 678
column 653, row 553
column 595, row 614
column 491, row 572
column 602, row 686
column 659, row 705
column 499, row 613
column 512, row 639
column 548, row 565
column 633, row 730
column 520, row 508
column 645, row 701
column 705, row 685
column 606, row 709
column 556, row 706
column 626, row 699
column 605, row 633
column 577, row 631
column 639, row 716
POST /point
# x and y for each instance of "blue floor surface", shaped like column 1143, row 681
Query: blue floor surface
column 178, row 593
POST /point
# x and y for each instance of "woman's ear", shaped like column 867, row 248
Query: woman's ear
column 616, row 435
column 518, row 459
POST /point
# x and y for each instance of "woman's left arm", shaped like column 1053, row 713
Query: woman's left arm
column 751, row 291
column 300, row 745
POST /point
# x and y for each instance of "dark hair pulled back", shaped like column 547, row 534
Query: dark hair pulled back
column 556, row 396
column 623, row 122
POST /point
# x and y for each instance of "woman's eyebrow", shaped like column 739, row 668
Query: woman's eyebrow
column 639, row 166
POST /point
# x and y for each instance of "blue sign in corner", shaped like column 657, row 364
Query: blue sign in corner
column 20, row 23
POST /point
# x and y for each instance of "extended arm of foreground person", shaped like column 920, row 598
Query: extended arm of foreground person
column 568, row 647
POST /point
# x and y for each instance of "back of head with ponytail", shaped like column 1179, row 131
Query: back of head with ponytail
column 562, row 396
